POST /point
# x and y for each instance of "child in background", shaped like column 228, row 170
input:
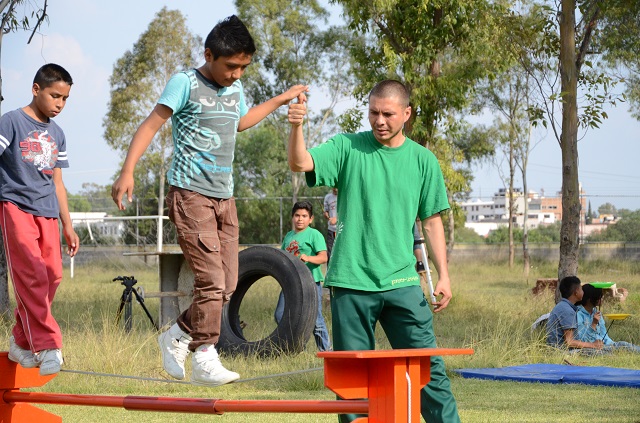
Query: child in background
column 591, row 325
column 33, row 151
column 309, row 246
column 562, row 323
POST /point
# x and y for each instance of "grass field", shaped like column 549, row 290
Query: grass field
column 492, row 312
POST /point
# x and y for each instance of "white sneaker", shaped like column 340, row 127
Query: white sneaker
column 50, row 361
column 208, row 370
column 174, row 344
column 26, row 358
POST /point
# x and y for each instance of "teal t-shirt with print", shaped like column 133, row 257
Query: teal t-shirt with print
column 308, row 242
column 204, row 126
column 382, row 190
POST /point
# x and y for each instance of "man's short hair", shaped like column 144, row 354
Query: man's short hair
column 568, row 285
column 230, row 37
column 51, row 73
column 391, row 88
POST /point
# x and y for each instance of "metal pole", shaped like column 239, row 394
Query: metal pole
column 159, row 247
column 419, row 240
column 281, row 234
column 137, row 223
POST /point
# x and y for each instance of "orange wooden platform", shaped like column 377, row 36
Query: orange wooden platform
column 391, row 381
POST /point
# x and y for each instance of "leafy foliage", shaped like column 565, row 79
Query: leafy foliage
column 543, row 233
column 295, row 46
column 626, row 229
column 138, row 78
column 441, row 50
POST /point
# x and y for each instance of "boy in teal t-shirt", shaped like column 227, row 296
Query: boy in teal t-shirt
column 309, row 246
column 207, row 109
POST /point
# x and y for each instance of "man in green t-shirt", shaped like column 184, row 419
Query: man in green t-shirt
column 385, row 180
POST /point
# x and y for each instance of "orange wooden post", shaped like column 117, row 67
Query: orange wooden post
column 390, row 379
column 12, row 378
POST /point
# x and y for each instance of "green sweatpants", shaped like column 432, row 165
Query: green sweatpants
column 406, row 318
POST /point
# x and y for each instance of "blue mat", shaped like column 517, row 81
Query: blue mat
column 557, row 373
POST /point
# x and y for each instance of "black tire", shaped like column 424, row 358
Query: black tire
column 301, row 303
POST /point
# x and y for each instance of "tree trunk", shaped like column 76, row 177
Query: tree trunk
column 451, row 242
column 526, row 260
column 512, row 206
column 569, row 232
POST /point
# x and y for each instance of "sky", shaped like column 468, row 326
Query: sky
column 88, row 36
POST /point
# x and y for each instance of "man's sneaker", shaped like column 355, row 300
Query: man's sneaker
column 50, row 361
column 25, row 357
column 208, row 370
column 174, row 344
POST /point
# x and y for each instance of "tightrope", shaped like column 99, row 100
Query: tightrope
column 151, row 379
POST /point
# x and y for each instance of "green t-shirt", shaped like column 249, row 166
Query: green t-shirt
column 308, row 242
column 382, row 190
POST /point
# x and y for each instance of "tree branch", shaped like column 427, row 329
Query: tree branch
column 40, row 19
column 586, row 41
column 396, row 46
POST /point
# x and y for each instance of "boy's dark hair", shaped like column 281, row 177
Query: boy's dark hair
column 50, row 73
column 390, row 88
column 304, row 205
column 230, row 37
column 568, row 285
column 591, row 294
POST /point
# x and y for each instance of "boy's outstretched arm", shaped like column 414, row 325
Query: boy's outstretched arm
column 70, row 236
column 259, row 112
column 140, row 142
column 299, row 158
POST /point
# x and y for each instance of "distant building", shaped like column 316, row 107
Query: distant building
column 96, row 222
column 485, row 216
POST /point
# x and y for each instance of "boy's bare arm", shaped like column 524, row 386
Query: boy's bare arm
column 259, row 112
column 435, row 240
column 70, row 236
column 300, row 159
column 319, row 258
column 139, row 144
column 574, row 343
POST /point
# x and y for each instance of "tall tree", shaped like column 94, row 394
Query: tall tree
column 567, row 61
column 138, row 78
column 294, row 45
column 11, row 21
column 441, row 50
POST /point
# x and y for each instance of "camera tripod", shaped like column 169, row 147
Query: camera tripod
column 126, row 302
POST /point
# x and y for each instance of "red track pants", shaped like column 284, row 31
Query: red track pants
column 34, row 258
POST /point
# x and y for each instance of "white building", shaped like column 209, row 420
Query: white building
column 98, row 222
column 485, row 216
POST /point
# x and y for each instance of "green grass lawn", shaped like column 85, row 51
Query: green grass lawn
column 491, row 312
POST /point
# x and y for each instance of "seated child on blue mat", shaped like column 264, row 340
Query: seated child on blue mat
column 562, row 324
column 591, row 325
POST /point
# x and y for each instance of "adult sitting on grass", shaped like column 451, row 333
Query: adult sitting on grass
column 591, row 325
column 562, row 323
